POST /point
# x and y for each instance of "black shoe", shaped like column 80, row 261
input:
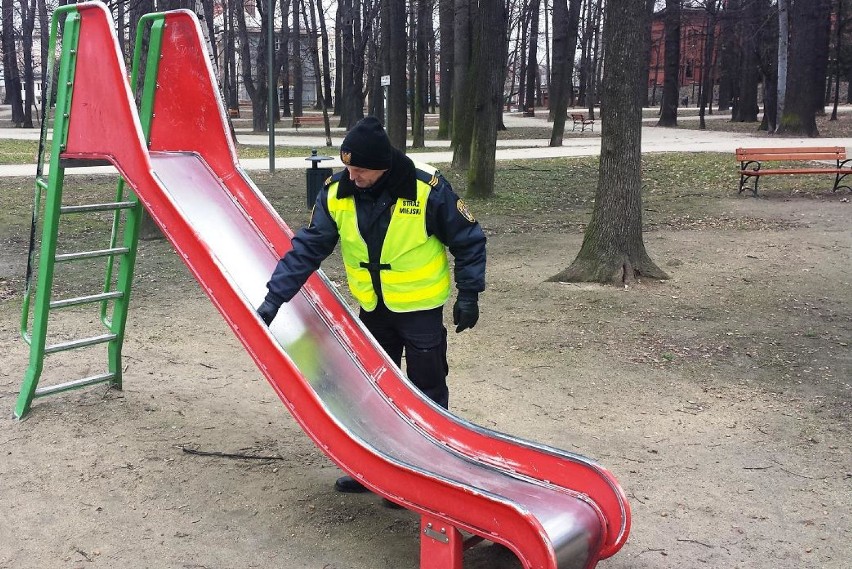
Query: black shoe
column 390, row 505
column 349, row 485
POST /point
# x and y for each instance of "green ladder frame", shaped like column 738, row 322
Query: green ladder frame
column 125, row 202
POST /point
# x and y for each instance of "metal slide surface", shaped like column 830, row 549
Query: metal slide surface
column 552, row 508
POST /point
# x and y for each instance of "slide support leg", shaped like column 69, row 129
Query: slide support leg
column 440, row 545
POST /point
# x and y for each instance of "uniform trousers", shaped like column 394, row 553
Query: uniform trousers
column 421, row 335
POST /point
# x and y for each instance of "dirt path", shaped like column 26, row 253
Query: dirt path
column 720, row 399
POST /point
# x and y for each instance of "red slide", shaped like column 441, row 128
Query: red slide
column 552, row 508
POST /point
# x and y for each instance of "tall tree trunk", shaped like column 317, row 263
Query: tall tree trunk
column 532, row 57
column 28, row 17
column 397, row 121
column 613, row 249
column 282, row 62
column 296, row 62
column 783, row 48
column 646, row 56
column 838, row 57
column 326, row 62
column 348, row 114
column 445, row 117
column 256, row 88
column 596, row 68
column 671, row 80
column 488, row 60
column 712, row 8
column 10, row 64
column 566, row 21
column 729, row 56
column 745, row 107
column 421, row 70
column 462, row 88
column 804, row 81
column 44, row 39
column 433, row 59
column 523, row 44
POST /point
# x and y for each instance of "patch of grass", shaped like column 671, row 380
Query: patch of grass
column 18, row 151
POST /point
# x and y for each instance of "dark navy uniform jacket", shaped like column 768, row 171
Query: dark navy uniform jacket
column 446, row 217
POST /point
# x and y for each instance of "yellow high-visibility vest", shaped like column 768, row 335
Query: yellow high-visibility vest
column 413, row 269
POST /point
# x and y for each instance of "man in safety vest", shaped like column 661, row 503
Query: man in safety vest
column 394, row 219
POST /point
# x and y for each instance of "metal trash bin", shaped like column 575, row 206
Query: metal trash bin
column 316, row 176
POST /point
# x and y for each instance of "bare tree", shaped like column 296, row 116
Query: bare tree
column 613, row 249
column 711, row 8
column 255, row 76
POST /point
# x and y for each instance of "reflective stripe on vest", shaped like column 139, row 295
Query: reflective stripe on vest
column 413, row 269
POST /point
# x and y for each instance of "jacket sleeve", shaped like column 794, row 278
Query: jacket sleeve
column 448, row 218
column 311, row 245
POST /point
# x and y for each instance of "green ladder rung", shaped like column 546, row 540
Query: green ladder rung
column 86, row 299
column 92, row 254
column 112, row 206
column 72, row 344
column 86, row 381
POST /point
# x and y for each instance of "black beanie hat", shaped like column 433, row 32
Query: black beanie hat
column 367, row 146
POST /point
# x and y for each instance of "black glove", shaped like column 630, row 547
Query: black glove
column 267, row 312
column 466, row 311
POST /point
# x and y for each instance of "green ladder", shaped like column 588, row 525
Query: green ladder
column 124, row 235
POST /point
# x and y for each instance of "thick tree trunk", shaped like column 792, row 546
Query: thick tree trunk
column 745, row 105
column 804, row 79
column 488, row 60
column 613, row 250
column 671, row 81
column 397, row 121
column 728, row 57
column 566, row 21
column 462, row 85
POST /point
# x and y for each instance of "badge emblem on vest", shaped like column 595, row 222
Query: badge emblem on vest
column 462, row 207
column 346, row 157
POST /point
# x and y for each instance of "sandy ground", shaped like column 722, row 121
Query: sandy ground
column 720, row 399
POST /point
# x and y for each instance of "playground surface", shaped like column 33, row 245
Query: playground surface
column 720, row 398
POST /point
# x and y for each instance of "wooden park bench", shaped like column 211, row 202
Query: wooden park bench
column 307, row 119
column 580, row 120
column 751, row 161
